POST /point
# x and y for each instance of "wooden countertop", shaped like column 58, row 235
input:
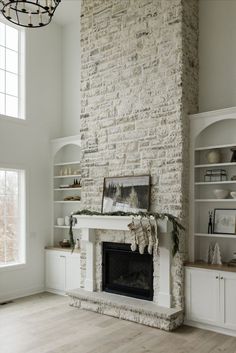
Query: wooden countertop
column 223, row 267
column 58, row 248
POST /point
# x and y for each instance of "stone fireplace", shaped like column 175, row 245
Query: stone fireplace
column 139, row 81
column 106, row 239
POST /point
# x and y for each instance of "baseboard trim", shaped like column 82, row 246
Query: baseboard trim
column 21, row 294
column 54, row 291
column 208, row 327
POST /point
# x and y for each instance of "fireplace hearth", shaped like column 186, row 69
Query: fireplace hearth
column 126, row 272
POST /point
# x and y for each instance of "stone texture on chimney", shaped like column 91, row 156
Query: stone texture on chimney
column 139, row 80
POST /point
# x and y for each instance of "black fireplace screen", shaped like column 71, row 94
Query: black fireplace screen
column 126, row 272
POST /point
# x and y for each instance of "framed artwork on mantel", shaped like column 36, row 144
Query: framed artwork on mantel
column 126, row 194
column 224, row 221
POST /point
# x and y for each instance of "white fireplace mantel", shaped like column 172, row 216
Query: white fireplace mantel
column 88, row 224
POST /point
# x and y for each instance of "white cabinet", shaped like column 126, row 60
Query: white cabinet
column 72, row 271
column 202, row 294
column 228, row 302
column 210, row 298
column 62, row 271
column 55, row 270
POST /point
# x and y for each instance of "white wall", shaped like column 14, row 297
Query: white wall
column 28, row 144
column 71, row 77
column 217, row 54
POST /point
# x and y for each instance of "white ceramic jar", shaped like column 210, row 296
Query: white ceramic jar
column 60, row 221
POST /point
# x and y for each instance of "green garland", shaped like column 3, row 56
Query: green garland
column 177, row 226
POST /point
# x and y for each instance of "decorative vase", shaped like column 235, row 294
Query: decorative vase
column 67, row 220
column 60, row 221
column 214, row 156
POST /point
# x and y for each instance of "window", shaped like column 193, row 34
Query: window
column 11, row 71
column 12, row 217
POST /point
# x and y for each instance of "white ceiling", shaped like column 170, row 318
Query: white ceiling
column 68, row 11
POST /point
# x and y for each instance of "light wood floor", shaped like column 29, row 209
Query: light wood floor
column 47, row 324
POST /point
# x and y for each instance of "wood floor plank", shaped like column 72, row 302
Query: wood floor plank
column 46, row 323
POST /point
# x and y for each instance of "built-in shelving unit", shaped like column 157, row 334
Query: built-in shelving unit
column 211, row 131
column 66, row 172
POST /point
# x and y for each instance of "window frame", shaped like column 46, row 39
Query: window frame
column 23, row 195
column 21, row 73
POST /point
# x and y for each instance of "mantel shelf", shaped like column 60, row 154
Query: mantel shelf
column 114, row 222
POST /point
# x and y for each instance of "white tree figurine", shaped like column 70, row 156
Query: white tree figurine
column 216, row 260
column 210, row 253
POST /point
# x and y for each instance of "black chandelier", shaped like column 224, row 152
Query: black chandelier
column 29, row 13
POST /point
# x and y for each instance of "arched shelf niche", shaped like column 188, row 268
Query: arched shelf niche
column 66, row 175
column 208, row 131
column 220, row 133
column 68, row 153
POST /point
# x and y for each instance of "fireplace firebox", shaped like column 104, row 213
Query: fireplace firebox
column 127, row 272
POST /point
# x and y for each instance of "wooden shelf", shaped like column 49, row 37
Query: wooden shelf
column 63, row 189
column 66, row 163
column 210, row 165
column 59, row 248
column 215, row 200
column 67, row 176
column 215, row 182
column 214, row 147
column 70, row 201
column 223, row 267
column 231, row 236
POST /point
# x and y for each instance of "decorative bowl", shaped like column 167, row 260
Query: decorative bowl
column 64, row 244
column 221, row 193
column 233, row 194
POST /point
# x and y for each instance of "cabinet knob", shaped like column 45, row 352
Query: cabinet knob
column 221, row 277
column 62, row 256
column 217, row 277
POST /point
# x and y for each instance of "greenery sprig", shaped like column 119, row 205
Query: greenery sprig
column 177, row 226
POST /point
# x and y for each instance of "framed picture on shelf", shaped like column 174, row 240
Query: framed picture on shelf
column 224, row 221
column 126, row 194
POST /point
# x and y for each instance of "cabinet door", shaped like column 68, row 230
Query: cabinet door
column 55, row 271
column 72, row 271
column 202, row 296
column 228, row 299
